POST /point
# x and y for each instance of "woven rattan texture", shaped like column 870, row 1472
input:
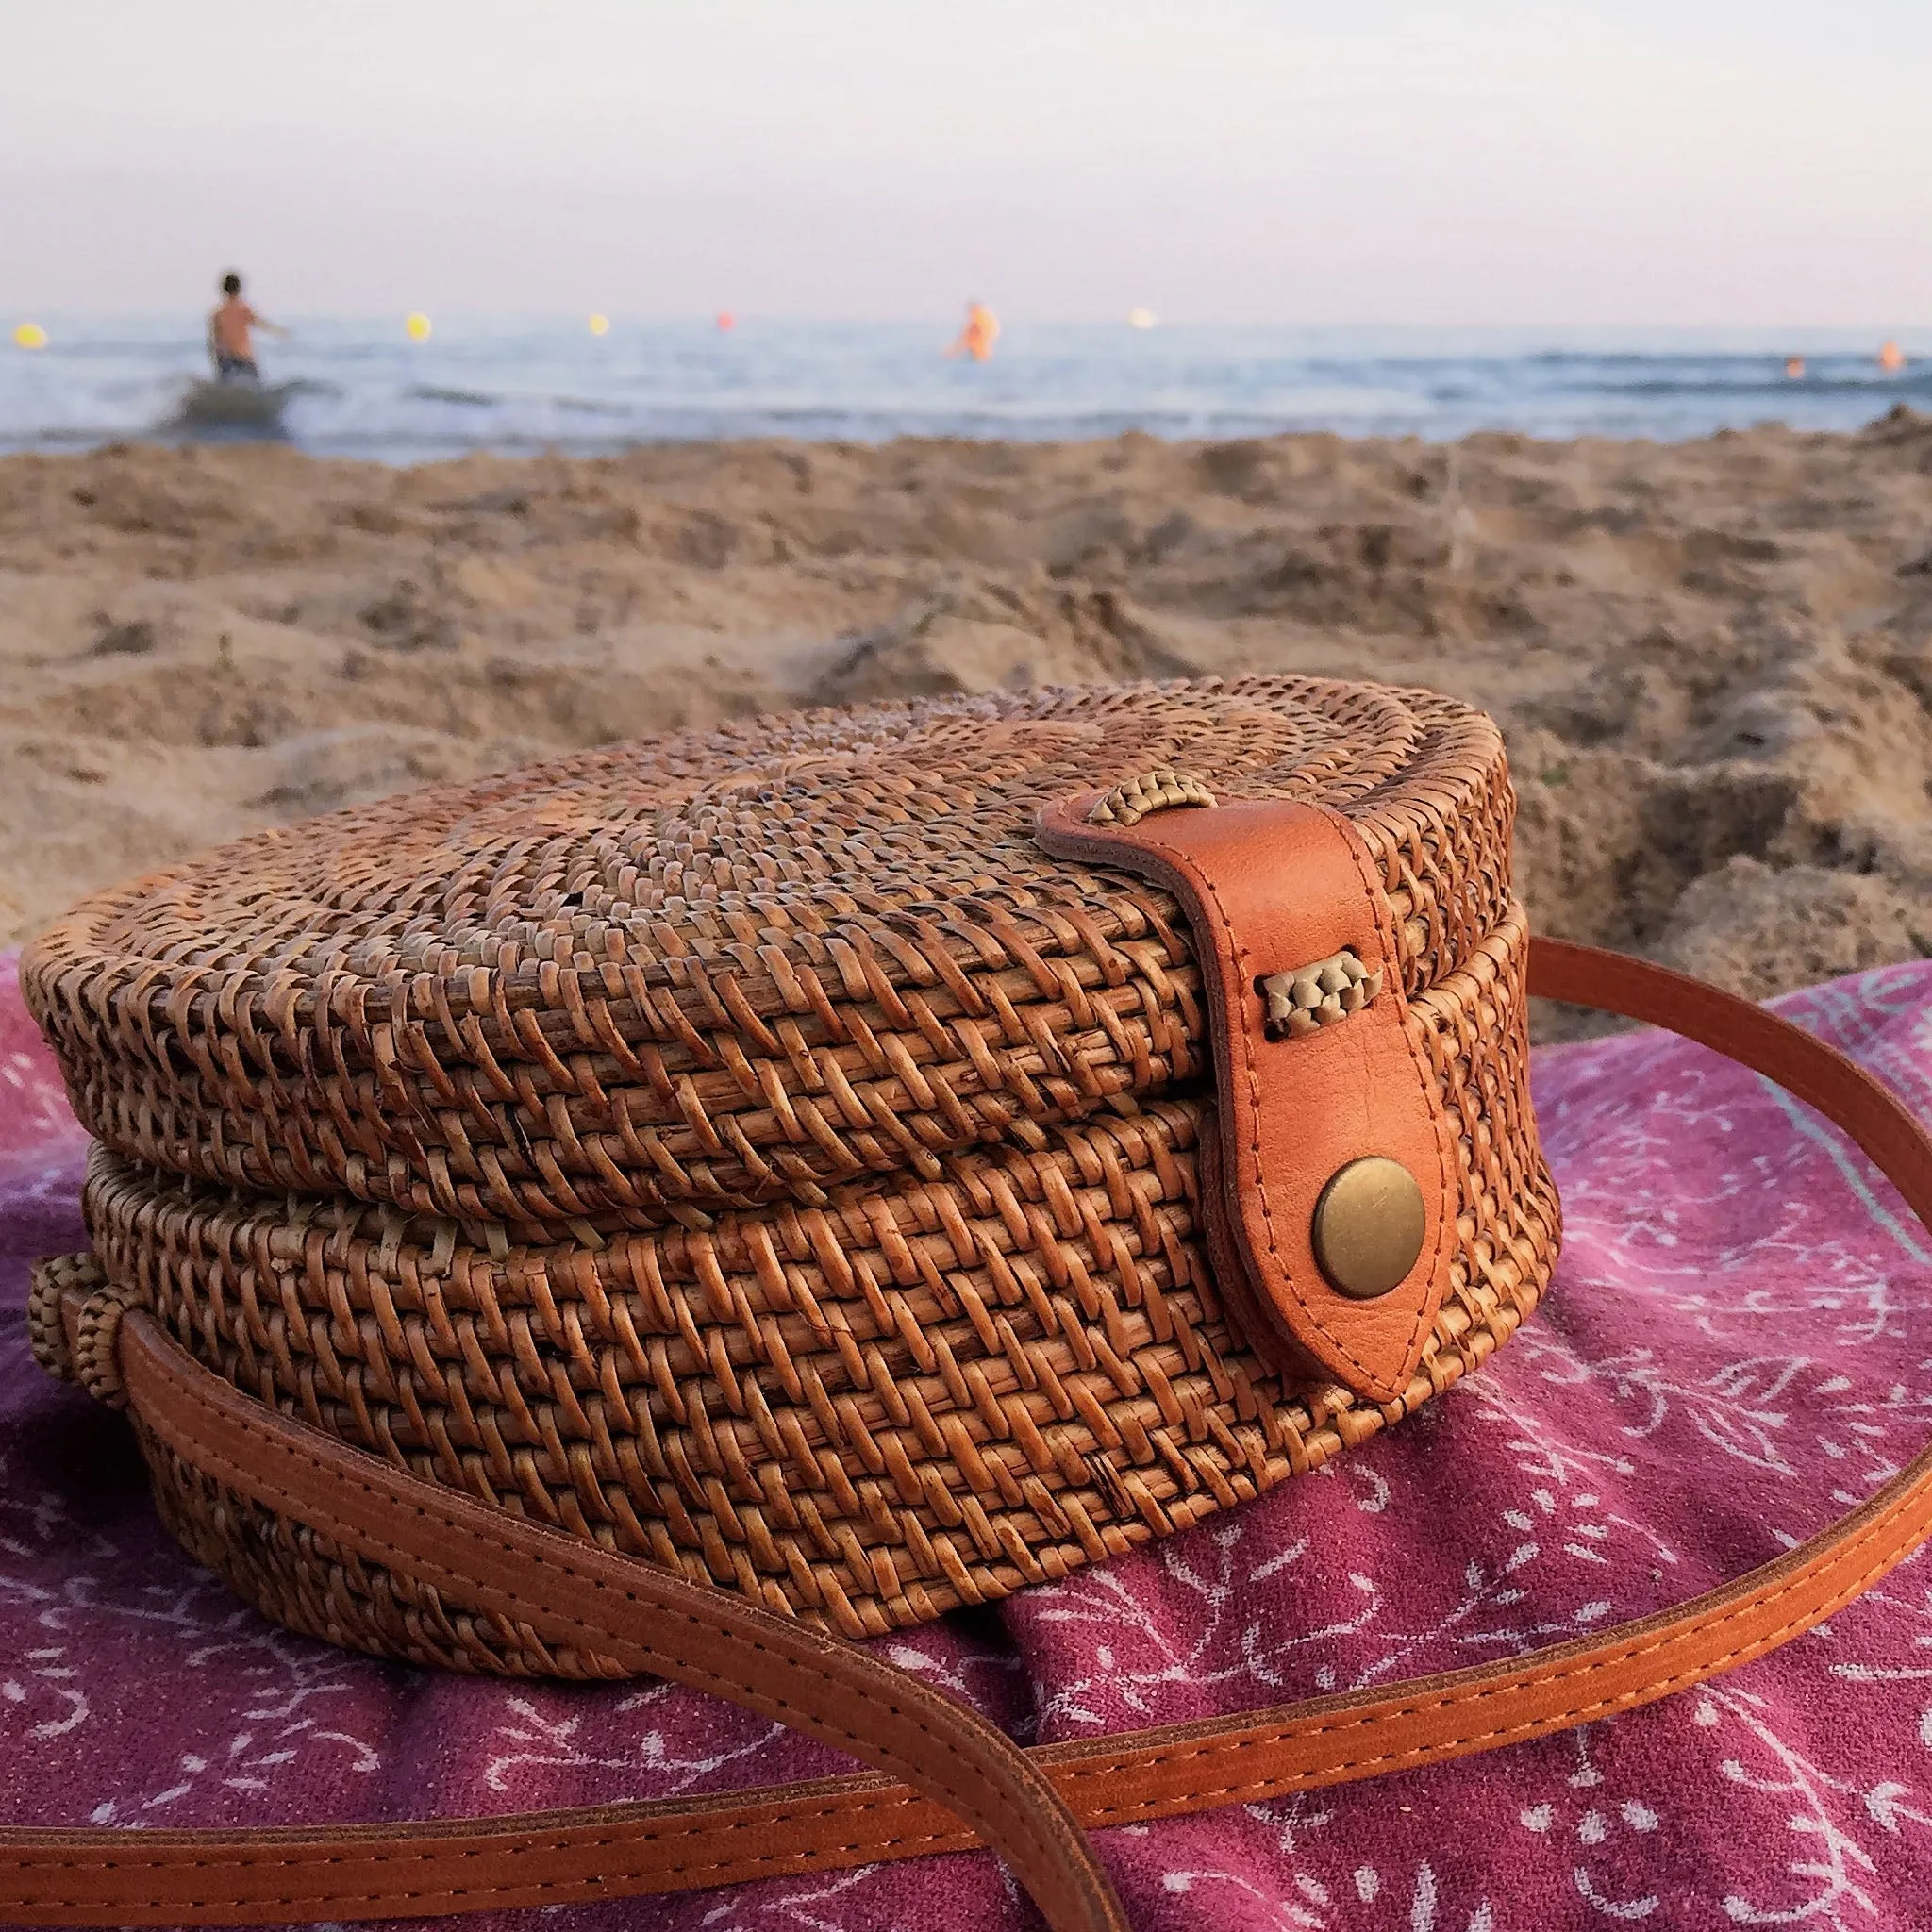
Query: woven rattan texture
column 642, row 986
column 864, row 1412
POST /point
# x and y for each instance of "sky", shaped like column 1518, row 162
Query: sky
column 1677, row 162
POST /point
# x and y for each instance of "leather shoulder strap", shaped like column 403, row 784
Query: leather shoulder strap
column 567, row 1591
column 959, row 1782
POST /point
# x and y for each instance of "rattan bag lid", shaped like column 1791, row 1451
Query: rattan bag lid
column 717, row 968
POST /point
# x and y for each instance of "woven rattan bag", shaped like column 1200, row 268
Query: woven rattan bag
column 685, row 1204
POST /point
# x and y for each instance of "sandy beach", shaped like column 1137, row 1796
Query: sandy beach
column 1713, row 659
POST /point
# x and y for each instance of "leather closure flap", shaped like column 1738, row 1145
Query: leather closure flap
column 1314, row 1070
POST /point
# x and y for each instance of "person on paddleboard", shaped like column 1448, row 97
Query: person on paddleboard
column 231, row 334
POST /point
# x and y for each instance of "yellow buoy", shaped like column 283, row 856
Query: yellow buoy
column 418, row 327
column 31, row 334
column 600, row 325
column 1139, row 318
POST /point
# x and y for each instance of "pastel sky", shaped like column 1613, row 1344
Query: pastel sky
column 1507, row 161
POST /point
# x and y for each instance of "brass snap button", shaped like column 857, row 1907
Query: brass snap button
column 1369, row 1226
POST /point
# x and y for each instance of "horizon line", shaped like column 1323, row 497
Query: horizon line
column 13, row 309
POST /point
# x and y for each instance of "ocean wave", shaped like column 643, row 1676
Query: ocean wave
column 579, row 405
column 432, row 392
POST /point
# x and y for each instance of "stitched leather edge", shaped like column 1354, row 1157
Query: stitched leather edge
column 164, row 1380
column 1064, row 830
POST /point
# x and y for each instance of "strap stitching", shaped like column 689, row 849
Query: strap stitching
column 959, row 1840
column 1381, row 912
column 1572, row 1714
column 1074, row 1773
column 1059, row 1774
column 1193, row 873
column 975, row 1759
column 1231, row 1026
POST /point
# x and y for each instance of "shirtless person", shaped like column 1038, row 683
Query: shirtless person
column 981, row 332
column 230, row 335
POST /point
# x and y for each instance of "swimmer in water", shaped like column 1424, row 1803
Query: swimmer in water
column 231, row 337
column 981, row 332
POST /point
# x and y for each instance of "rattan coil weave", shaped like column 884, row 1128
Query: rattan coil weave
column 750, row 1149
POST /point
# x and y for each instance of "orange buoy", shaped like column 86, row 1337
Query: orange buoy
column 1794, row 367
column 1890, row 358
column 727, row 321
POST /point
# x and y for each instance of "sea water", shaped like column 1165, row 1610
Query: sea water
column 364, row 389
